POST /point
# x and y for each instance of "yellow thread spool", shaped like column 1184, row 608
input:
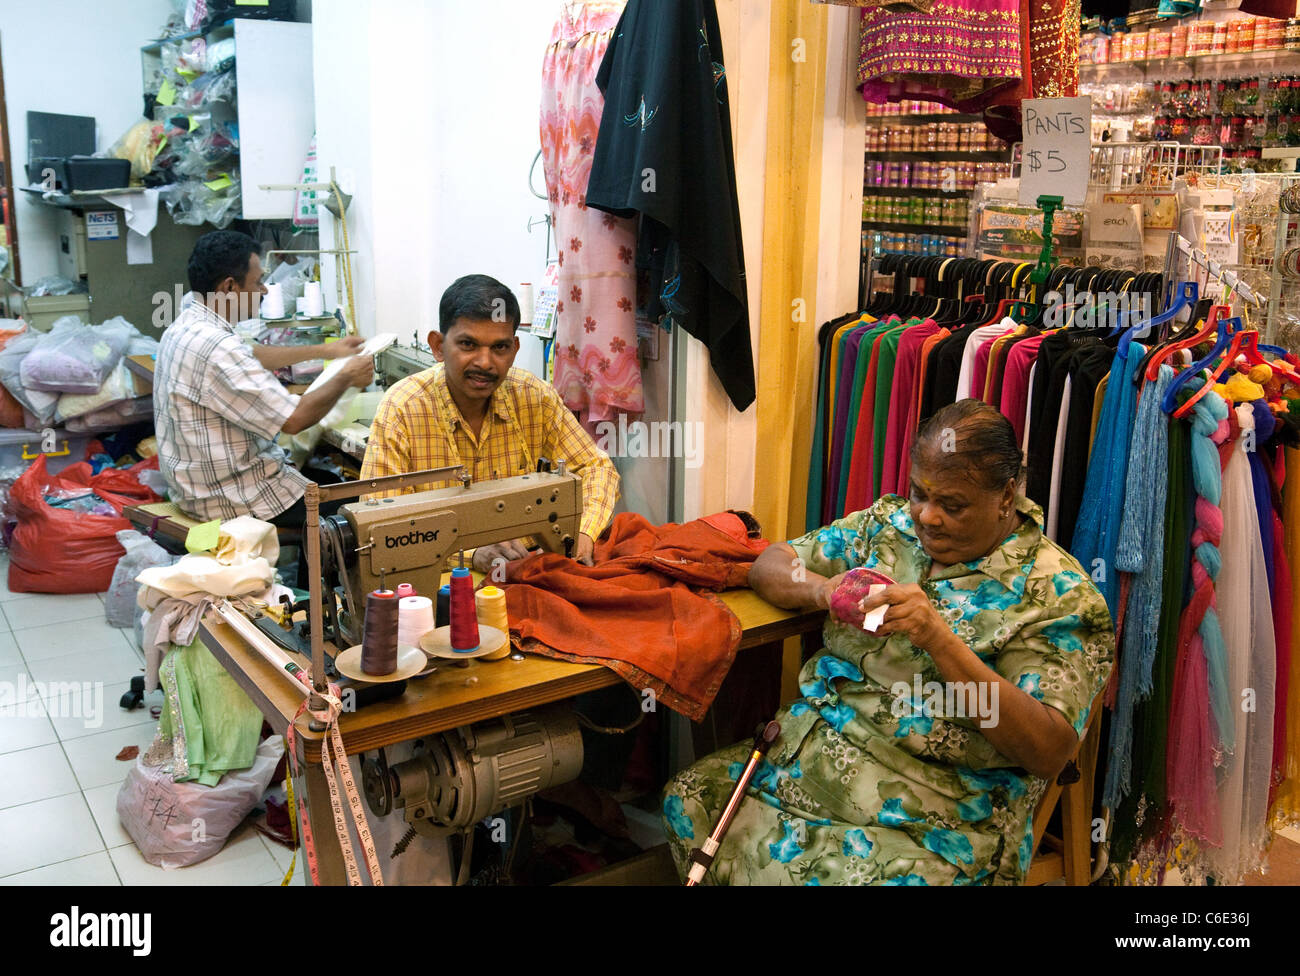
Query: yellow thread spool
column 490, row 607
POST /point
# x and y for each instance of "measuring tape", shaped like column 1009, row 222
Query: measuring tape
column 332, row 753
column 293, row 825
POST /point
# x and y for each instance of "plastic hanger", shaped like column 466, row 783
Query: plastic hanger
column 1185, row 296
column 1228, row 338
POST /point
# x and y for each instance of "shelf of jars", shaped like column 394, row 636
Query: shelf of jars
column 1246, row 117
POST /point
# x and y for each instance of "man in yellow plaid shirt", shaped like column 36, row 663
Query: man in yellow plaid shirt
column 475, row 409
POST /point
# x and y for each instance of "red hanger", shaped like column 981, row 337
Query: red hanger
column 1211, row 325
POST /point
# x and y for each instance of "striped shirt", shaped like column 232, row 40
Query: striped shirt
column 419, row 426
column 217, row 412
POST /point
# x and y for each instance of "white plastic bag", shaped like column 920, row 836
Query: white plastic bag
column 76, row 359
column 141, row 553
column 40, row 405
column 176, row 824
column 118, row 387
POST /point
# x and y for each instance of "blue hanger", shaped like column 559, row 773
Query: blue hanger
column 1227, row 329
column 1185, row 296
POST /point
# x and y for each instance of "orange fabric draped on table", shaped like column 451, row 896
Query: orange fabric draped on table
column 643, row 609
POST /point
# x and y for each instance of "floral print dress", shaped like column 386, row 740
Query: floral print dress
column 873, row 783
column 597, row 371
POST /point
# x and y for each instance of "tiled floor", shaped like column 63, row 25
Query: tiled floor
column 59, row 776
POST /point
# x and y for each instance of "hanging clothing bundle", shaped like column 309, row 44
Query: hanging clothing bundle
column 596, row 367
column 1168, row 486
column 969, row 329
column 972, row 55
column 664, row 152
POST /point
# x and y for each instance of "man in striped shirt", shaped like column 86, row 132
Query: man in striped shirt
column 217, row 406
column 474, row 408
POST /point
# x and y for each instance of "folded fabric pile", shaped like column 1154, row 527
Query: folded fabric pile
column 643, row 609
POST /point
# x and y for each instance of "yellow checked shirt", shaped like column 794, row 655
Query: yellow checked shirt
column 419, row 426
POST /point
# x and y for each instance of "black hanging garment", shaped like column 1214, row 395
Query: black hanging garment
column 664, row 152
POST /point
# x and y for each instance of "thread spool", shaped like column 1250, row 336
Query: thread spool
column 301, row 305
column 414, row 619
column 526, row 303
column 404, row 590
column 273, row 302
column 442, row 617
column 379, row 638
column 315, row 299
column 490, row 607
column 464, row 621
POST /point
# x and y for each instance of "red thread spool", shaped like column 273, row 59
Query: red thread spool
column 464, row 615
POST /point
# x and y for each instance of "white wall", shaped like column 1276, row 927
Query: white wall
column 433, row 109
column 76, row 57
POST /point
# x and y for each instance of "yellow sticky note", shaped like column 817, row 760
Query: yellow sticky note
column 252, row 3
column 194, row 123
column 187, row 74
column 203, row 536
column 166, row 93
column 220, row 183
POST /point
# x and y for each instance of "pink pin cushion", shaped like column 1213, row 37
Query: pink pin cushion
column 853, row 589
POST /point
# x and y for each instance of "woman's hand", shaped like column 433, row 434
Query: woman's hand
column 910, row 613
column 827, row 589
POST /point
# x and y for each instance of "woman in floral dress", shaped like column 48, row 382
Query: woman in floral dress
column 879, row 776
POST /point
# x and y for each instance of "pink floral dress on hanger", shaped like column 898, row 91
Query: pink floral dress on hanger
column 596, row 367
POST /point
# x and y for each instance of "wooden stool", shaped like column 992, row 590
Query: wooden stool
column 1069, row 856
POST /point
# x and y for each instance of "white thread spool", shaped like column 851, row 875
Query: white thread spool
column 273, row 302
column 301, row 308
column 490, row 608
column 526, row 302
column 315, row 299
column 414, row 619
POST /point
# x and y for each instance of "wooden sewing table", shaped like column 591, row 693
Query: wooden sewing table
column 445, row 700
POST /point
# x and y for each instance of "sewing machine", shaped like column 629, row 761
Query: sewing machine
column 399, row 361
column 379, row 542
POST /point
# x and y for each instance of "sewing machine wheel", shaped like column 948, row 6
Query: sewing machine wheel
column 338, row 539
column 377, row 782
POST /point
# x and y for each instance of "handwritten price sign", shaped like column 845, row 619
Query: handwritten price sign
column 1057, row 143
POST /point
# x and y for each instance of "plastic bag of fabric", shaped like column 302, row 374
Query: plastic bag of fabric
column 139, row 144
column 141, row 553
column 76, row 359
column 113, row 417
column 118, row 387
column 53, row 285
column 11, row 411
column 199, row 818
column 40, row 405
column 56, row 550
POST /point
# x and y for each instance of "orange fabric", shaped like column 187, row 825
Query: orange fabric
column 637, row 611
column 11, row 411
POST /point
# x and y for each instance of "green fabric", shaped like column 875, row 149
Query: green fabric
column 868, row 785
column 1142, row 814
column 208, row 721
column 817, row 463
column 884, row 383
column 855, row 408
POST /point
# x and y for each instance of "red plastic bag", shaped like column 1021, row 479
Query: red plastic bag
column 55, row 550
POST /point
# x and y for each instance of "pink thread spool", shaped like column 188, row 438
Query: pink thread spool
column 404, row 590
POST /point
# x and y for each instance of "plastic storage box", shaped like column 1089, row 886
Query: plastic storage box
column 19, row 448
column 89, row 173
